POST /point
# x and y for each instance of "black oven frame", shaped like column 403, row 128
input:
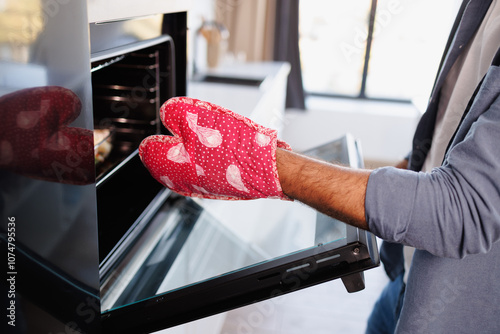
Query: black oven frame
column 118, row 205
column 250, row 285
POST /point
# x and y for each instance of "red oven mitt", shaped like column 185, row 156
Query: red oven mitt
column 213, row 153
column 35, row 140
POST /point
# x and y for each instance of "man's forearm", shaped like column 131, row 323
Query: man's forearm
column 333, row 190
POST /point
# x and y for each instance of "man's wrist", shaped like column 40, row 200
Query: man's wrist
column 333, row 190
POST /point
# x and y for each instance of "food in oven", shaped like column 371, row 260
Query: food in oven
column 102, row 145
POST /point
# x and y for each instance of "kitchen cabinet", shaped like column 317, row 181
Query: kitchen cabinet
column 117, row 10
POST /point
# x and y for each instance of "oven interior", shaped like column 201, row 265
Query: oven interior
column 129, row 85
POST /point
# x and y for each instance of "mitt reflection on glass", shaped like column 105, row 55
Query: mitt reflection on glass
column 36, row 141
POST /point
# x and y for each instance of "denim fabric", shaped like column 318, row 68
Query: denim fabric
column 385, row 314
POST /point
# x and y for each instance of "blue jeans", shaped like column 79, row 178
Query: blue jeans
column 385, row 313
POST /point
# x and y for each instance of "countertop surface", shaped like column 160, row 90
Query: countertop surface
column 242, row 99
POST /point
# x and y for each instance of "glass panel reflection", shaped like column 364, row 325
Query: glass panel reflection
column 47, row 182
column 186, row 243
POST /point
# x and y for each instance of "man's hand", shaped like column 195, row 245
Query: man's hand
column 213, row 153
column 403, row 164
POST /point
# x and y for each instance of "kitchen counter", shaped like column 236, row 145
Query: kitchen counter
column 264, row 103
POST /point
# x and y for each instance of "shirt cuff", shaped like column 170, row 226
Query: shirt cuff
column 390, row 195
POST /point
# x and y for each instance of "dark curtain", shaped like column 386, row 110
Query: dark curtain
column 286, row 48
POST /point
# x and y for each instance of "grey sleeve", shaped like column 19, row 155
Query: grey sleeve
column 453, row 210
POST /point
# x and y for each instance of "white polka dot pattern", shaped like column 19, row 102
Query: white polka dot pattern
column 213, row 153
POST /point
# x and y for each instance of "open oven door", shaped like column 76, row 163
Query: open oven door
column 185, row 259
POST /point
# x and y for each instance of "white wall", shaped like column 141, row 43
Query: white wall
column 385, row 130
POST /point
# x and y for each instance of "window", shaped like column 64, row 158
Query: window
column 385, row 49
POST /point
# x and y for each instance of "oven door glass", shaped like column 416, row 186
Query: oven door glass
column 189, row 258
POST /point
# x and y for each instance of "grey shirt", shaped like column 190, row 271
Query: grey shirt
column 460, row 83
column 451, row 214
column 452, row 217
column 465, row 74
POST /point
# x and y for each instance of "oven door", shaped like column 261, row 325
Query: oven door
column 189, row 258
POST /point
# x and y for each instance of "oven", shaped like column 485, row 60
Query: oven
column 120, row 253
column 165, row 259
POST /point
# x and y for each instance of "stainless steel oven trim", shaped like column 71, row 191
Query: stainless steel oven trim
column 123, row 49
